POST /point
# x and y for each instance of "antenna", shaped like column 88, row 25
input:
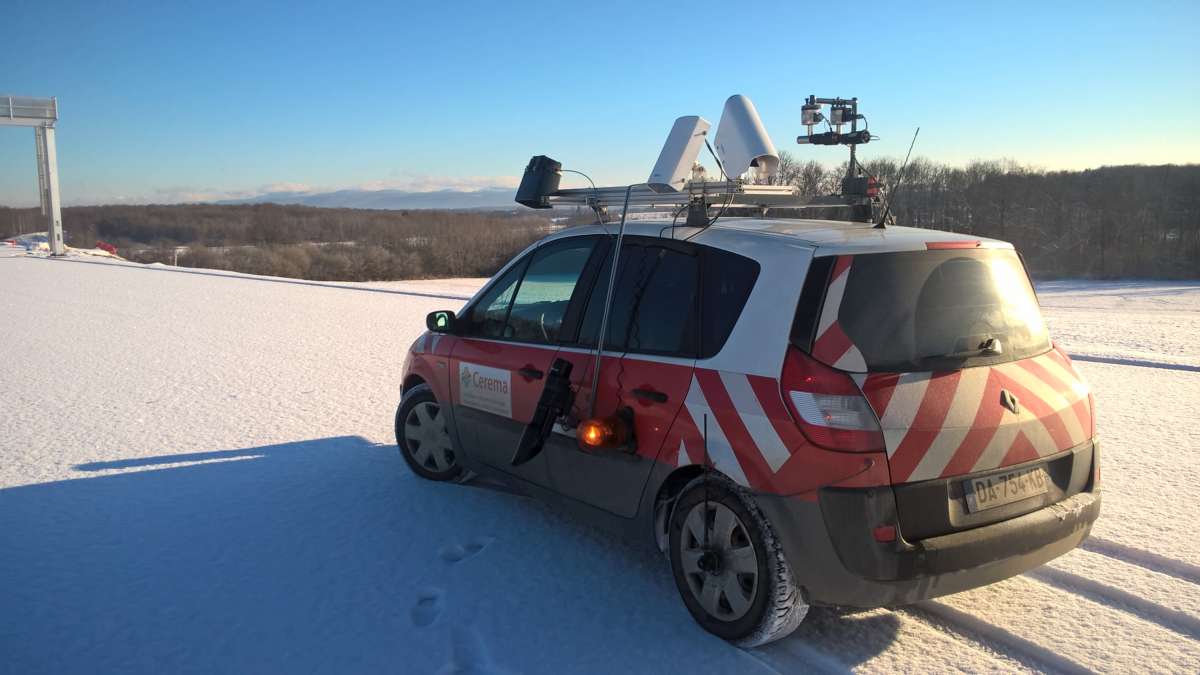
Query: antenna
column 608, row 298
column 887, row 207
column 707, row 479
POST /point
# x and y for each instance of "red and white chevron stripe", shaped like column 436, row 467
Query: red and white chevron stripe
column 935, row 425
column 833, row 346
column 946, row 424
column 752, row 437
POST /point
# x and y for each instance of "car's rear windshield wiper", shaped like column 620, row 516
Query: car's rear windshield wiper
column 989, row 347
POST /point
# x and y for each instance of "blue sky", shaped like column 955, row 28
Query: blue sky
column 176, row 101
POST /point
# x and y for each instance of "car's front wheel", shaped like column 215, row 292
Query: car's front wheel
column 423, row 436
column 729, row 566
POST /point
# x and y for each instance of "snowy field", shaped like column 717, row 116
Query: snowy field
column 197, row 474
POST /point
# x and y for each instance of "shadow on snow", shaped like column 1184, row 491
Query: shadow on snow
column 327, row 555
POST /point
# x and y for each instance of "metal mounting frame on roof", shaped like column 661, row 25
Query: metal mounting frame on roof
column 733, row 198
column 712, row 192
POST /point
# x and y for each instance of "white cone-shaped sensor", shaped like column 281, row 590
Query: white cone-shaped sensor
column 742, row 141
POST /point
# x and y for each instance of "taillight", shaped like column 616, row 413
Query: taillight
column 828, row 406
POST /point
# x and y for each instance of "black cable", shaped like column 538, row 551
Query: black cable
column 714, row 156
column 700, row 353
column 599, row 218
column 589, row 178
column 719, row 213
column 672, row 225
column 647, row 270
column 728, row 201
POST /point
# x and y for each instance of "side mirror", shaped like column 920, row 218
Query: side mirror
column 441, row 321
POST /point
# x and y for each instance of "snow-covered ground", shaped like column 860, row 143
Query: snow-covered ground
column 1156, row 322
column 197, row 475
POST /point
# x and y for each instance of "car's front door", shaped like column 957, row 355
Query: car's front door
column 509, row 338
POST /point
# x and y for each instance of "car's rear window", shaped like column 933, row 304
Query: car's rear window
column 938, row 310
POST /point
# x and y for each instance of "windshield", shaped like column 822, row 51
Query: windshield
column 940, row 310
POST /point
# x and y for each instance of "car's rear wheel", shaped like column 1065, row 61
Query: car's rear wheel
column 729, row 567
column 423, row 436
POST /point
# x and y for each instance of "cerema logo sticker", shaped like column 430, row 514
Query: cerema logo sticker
column 485, row 388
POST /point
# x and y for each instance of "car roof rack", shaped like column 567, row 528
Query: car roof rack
column 714, row 192
column 733, row 197
column 748, row 164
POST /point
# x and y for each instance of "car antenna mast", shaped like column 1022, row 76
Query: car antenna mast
column 887, row 207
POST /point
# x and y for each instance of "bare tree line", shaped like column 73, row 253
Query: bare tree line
column 1110, row 222
column 300, row 241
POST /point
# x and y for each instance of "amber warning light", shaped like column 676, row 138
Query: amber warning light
column 604, row 433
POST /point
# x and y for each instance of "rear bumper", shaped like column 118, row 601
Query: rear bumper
column 836, row 559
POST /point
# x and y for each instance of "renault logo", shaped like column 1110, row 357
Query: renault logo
column 1009, row 401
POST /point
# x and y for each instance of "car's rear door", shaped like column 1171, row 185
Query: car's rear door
column 509, row 338
column 950, row 349
column 652, row 343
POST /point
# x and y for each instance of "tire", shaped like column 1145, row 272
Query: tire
column 423, row 438
column 739, row 586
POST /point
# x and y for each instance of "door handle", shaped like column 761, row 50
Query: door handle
column 530, row 373
column 650, row 395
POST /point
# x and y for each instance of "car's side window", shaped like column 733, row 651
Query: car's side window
column 489, row 315
column 727, row 280
column 545, row 292
column 654, row 303
column 661, row 318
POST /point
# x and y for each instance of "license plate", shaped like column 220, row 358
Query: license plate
column 1005, row 488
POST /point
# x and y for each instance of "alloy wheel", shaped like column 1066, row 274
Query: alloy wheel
column 427, row 439
column 719, row 562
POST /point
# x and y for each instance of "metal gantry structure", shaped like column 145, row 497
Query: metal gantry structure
column 41, row 114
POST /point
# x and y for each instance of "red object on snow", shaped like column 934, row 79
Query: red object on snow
column 105, row 246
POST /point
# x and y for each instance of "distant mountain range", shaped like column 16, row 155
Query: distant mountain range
column 490, row 198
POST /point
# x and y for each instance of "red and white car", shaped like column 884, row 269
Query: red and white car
column 820, row 412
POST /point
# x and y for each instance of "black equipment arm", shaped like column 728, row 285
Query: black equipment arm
column 556, row 399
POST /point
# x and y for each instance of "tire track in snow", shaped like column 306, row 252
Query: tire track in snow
column 1151, row 561
column 1140, row 363
column 469, row 654
column 993, row 636
column 1104, row 594
column 814, row 659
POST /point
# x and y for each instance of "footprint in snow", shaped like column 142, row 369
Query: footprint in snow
column 455, row 553
column 428, row 607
